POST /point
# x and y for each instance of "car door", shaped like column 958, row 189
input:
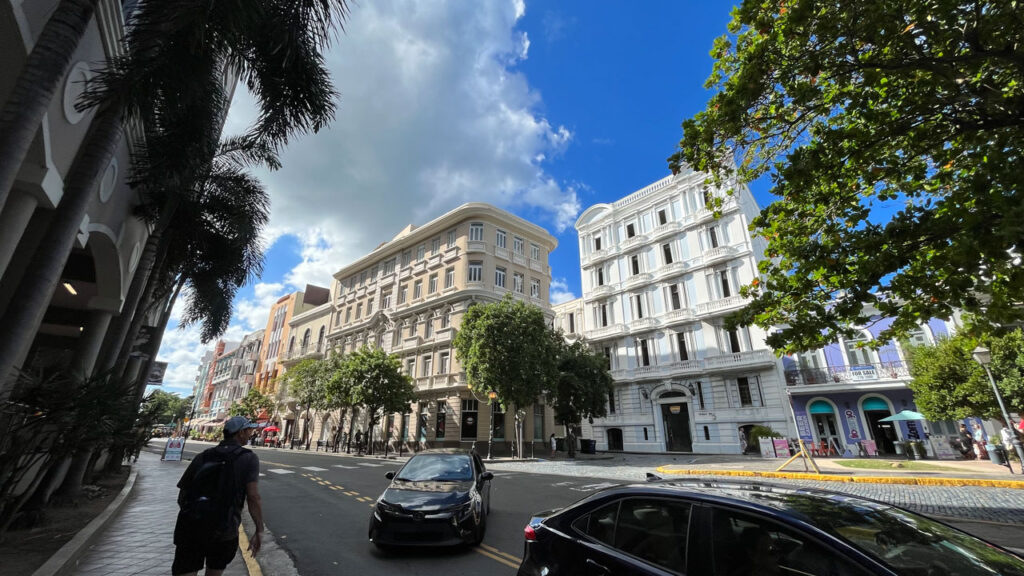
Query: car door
column 635, row 536
column 482, row 486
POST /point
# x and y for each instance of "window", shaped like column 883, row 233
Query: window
column 451, row 238
column 499, row 277
column 348, row 314
column 413, row 327
column 673, row 297
column 666, row 250
column 538, row 422
column 442, row 364
column 723, row 278
column 743, row 386
column 417, row 289
column 446, row 319
column 699, row 386
column 427, row 365
column 359, row 311
column 734, row 341
column 369, row 306
column 519, row 245
column 421, row 423
column 476, row 271
column 534, row 251
column 499, row 238
column 435, row 245
column 856, row 355
column 449, row 277
column 406, row 257
column 608, row 357
column 684, row 353
column 469, row 420
column 597, row 243
column 410, row 367
column 362, row 277
column 428, row 327
column 421, row 252
column 385, row 300
column 634, row 264
column 572, row 323
column 604, row 314
column 611, row 401
column 389, row 267
column 442, row 413
column 643, row 354
column 518, row 281
column 630, row 230
column 498, row 420
column 401, row 294
column 654, row 530
column 534, row 288
column 476, row 232
column 662, row 217
column 599, row 524
column 638, row 306
column 600, row 276
column 713, row 237
column 432, row 284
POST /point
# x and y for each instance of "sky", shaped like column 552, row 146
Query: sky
column 542, row 108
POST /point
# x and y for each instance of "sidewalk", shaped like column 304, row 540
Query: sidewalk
column 139, row 540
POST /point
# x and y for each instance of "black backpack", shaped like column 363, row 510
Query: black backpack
column 212, row 496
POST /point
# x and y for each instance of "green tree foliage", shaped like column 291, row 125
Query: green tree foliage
column 949, row 385
column 505, row 347
column 252, row 405
column 378, row 384
column 306, row 383
column 339, row 390
column 167, row 408
column 891, row 131
column 583, row 385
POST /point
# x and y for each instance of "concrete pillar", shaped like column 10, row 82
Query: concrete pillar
column 13, row 219
column 90, row 341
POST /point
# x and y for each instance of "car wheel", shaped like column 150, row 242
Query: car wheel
column 382, row 547
column 481, row 530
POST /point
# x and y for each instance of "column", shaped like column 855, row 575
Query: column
column 14, row 217
column 90, row 341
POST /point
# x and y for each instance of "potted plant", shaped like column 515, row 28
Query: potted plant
column 920, row 453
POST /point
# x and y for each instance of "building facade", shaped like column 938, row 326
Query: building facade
column 408, row 297
column 277, row 335
column 660, row 269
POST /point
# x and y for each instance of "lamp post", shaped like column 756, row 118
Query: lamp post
column 984, row 357
column 491, row 396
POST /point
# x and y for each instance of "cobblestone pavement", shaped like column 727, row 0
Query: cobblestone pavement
column 976, row 503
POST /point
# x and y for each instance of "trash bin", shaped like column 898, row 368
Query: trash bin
column 997, row 454
column 588, row 446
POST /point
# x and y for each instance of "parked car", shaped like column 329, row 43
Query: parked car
column 741, row 529
column 439, row 497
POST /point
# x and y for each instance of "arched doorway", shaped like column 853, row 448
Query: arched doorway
column 823, row 418
column 883, row 433
column 614, row 439
column 675, row 417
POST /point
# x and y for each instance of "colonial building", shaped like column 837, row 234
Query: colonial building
column 660, row 270
column 277, row 336
column 408, row 297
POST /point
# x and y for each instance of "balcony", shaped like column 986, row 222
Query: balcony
column 610, row 331
column 501, row 253
column 847, row 374
column 718, row 254
column 722, row 305
column 666, row 229
column 476, row 246
column 435, row 261
column 634, row 241
column 601, row 291
column 641, row 324
column 599, row 255
column 519, row 259
column 451, row 254
column 536, row 265
column 638, row 280
column 704, row 214
column 672, row 269
column 677, row 316
column 739, row 360
column 444, row 334
column 685, row 367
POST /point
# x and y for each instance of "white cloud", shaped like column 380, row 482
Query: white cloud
column 560, row 291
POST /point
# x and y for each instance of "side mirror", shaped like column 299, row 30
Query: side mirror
column 486, row 476
column 390, row 475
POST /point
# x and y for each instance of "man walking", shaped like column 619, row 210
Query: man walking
column 213, row 490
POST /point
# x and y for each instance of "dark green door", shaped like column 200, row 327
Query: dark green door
column 677, row 427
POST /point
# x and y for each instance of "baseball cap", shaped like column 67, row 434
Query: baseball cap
column 236, row 423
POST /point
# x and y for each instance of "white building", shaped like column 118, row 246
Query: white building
column 659, row 273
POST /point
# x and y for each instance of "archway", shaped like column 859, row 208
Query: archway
column 614, row 438
column 675, row 418
column 883, row 433
column 826, row 429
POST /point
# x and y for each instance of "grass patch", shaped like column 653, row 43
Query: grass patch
column 895, row 465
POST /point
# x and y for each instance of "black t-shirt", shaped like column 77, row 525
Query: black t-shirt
column 246, row 468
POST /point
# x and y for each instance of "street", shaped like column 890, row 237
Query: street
column 318, row 506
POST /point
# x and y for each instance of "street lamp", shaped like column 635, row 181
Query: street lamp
column 984, row 357
column 491, row 396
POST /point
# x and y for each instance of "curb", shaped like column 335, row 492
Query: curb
column 910, row 481
column 73, row 550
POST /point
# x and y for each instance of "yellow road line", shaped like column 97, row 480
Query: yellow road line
column 496, row 557
column 250, row 563
column 364, row 499
column 336, row 488
column 496, row 551
column 268, row 463
column 323, row 483
column 351, row 493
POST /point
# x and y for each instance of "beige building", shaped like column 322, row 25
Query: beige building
column 408, row 297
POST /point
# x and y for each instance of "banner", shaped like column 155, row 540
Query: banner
column 156, row 375
column 173, row 449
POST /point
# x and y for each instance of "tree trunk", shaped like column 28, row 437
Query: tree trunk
column 71, row 489
column 10, row 512
column 341, row 428
column 37, row 83
column 50, row 482
column 351, row 425
column 158, row 336
column 19, row 324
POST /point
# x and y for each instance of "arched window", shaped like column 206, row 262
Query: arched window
column 305, row 340
column 320, row 339
column 291, row 345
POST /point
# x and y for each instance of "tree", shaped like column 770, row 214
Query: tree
column 505, row 347
column 891, row 134
column 339, row 391
column 166, row 407
column 252, row 405
column 949, row 385
column 306, row 383
column 378, row 384
column 583, row 385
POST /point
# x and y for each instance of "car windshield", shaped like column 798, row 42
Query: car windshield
column 437, row 468
column 911, row 543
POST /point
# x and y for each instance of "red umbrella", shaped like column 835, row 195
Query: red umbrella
column 271, row 429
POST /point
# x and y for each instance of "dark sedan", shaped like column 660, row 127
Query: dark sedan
column 741, row 529
column 438, row 498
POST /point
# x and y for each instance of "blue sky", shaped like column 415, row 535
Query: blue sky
column 542, row 108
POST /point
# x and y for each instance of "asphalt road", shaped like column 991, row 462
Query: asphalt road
column 318, row 507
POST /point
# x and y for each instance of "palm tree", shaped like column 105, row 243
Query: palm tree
column 178, row 56
column 37, row 83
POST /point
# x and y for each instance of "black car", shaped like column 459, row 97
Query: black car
column 439, row 497
column 741, row 529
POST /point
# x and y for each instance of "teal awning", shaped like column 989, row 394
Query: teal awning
column 821, row 407
column 875, row 404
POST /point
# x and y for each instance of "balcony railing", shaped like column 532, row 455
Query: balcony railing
column 681, row 315
column 739, row 359
column 637, row 280
column 721, row 304
column 303, row 351
column 847, row 374
column 609, row 331
column 643, row 324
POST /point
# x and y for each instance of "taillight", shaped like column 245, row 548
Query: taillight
column 530, row 534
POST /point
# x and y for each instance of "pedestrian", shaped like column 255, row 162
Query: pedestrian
column 554, row 444
column 966, row 443
column 359, row 441
column 215, row 487
column 979, row 442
